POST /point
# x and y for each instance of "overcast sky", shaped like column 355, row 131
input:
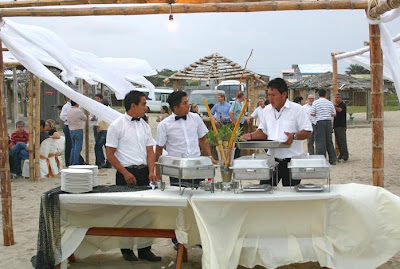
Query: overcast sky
column 279, row 39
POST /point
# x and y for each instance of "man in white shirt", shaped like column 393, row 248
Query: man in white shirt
column 310, row 141
column 257, row 113
column 183, row 133
column 68, row 142
column 323, row 110
column 284, row 121
column 130, row 151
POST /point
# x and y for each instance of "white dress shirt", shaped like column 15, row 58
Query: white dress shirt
column 291, row 118
column 130, row 138
column 181, row 137
column 308, row 109
column 257, row 114
column 63, row 113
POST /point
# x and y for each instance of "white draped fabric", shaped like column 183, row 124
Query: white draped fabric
column 390, row 49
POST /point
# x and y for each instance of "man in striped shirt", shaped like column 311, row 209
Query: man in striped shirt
column 323, row 110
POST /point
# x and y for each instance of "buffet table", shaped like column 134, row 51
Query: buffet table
column 353, row 226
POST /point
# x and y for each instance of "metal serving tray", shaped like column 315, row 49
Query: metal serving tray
column 254, row 167
column 261, row 144
column 257, row 188
column 309, row 188
column 187, row 167
column 309, row 167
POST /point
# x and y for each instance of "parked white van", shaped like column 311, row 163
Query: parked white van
column 231, row 87
column 161, row 96
column 197, row 97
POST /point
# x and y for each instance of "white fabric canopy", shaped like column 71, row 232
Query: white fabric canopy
column 390, row 49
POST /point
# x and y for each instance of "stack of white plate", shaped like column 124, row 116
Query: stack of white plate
column 93, row 168
column 76, row 180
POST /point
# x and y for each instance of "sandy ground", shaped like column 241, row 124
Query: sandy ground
column 26, row 197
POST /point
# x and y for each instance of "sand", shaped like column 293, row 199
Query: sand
column 26, row 198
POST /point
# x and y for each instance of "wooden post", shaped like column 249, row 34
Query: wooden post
column 334, row 91
column 86, row 92
column 15, row 94
column 377, row 106
column 6, row 200
column 31, row 134
column 253, row 96
column 23, row 101
column 37, row 129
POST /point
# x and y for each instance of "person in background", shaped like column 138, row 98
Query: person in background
column 323, row 110
column 164, row 113
column 68, row 142
column 220, row 110
column 76, row 122
column 283, row 120
column 339, row 126
column 102, row 127
column 18, row 148
column 130, row 151
column 311, row 140
column 98, row 97
column 257, row 113
column 50, row 128
column 298, row 100
column 43, row 134
column 234, row 113
column 194, row 108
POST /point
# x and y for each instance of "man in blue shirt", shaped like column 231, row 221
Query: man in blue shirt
column 220, row 111
column 236, row 108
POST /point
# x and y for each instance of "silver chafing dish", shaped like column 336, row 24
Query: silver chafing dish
column 187, row 168
column 310, row 167
column 261, row 144
column 254, row 167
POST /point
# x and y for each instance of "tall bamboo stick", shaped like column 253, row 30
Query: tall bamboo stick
column 37, row 129
column 377, row 106
column 334, row 91
column 31, row 134
column 15, row 94
column 382, row 7
column 86, row 92
column 187, row 8
column 6, row 200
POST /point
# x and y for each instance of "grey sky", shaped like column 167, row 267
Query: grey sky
column 279, row 39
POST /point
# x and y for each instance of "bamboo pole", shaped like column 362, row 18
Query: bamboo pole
column 334, row 91
column 382, row 7
column 37, row 129
column 377, row 106
column 221, row 149
column 275, row 5
column 31, row 134
column 15, row 94
column 86, row 92
column 6, row 200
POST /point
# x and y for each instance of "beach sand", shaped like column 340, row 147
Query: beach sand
column 26, row 203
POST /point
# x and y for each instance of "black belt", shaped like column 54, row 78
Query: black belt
column 282, row 160
column 142, row 166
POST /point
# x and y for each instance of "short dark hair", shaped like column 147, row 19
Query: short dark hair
column 73, row 103
column 42, row 123
column 322, row 93
column 20, row 122
column 298, row 99
column 165, row 108
column 175, row 98
column 240, row 94
column 105, row 102
column 99, row 95
column 133, row 97
column 278, row 84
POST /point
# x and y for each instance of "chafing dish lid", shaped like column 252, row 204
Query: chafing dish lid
column 185, row 162
column 253, row 161
column 315, row 161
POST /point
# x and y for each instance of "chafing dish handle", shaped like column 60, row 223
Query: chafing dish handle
column 251, row 170
column 205, row 168
column 309, row 169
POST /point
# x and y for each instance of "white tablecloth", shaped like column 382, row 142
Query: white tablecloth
column 353, row 226
column 143, row 209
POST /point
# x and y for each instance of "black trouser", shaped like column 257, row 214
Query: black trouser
column 340, row 134
column 323, row 140
column 142, row 179
column 283, row 173
column 238, row 152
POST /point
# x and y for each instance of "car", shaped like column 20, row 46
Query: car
column 197, row 97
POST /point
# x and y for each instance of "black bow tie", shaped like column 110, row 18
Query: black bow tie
column 133, row 118
column 180, row 117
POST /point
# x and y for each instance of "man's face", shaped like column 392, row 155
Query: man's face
column 261, row 102
column 141, row 108
column 183, row 108
column 276, row 99
column 20, row 128
column 241, row 99
column 97, row 98
column 220, row 99
column 310, row 99
column 338, row 99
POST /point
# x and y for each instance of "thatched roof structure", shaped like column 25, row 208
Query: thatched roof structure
column 325, row 81
column 213, row 67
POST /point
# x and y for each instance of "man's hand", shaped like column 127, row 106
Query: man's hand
column 152, row 178
column 289, row 140
column 130, row 178
column 247, row 136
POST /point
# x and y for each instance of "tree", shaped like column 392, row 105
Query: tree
column 356, row 69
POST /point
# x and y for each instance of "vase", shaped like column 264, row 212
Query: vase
column 226, row 173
